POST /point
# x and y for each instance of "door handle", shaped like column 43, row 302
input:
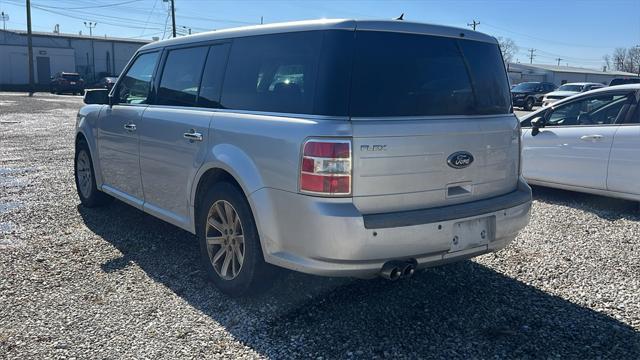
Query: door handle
column 130, row 127
column 591, row 137
column 192, row 135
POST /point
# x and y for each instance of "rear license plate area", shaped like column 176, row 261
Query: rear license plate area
column 472, row 233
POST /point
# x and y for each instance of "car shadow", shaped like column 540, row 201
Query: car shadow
column 604, row 207
column 458, row 310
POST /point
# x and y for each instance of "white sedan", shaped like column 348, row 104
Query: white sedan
column 589, row 142
column 567, row 90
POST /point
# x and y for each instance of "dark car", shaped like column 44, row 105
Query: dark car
column 67, row 82
column 528, row 94
column 621, row 81
column 105, row 83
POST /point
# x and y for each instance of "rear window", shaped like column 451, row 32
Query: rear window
column 418, row 75
column 71, row 76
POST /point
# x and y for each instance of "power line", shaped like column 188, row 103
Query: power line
column 88, row 7
column 547, row 40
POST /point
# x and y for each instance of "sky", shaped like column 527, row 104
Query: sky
column 578, row 32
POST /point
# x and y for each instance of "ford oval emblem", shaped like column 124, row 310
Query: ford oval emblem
column 460, row 159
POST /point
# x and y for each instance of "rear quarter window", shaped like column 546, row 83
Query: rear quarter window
column 273, row 73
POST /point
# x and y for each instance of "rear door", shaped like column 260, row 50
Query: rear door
column 624, row 161
column 174, row 131
column 573, row 149
column 118, row 145
column 431, row 122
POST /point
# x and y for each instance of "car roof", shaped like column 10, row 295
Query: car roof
column 327, row 24
column 583, row 83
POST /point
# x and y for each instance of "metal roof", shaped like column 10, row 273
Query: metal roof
column 570, row 69
column 328, row 24
column 76, row 36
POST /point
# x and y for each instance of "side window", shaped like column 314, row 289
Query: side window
column 212, row 76
column 600, row 110
column 180, row 79
column 135, row 84
column 274, row 73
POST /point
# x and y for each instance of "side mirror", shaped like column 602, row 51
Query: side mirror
column 96, row 96
column 536, row 124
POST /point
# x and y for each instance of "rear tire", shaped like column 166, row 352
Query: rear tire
column 85, row 177
column 230, row 248
column 528, row 104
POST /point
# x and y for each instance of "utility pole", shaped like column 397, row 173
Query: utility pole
column 173, row 17
column 558, row 59
column 531, row 56
column 261, row 20
column 638, row 47
column 4, row 17
column 92, row 25
column 30, row 48
column 474, row 24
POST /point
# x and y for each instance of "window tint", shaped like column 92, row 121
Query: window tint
column 273, row 73
column 414, row 75
column 180, row 79
column 212, row 76
column 600, row 110
column 135, row 84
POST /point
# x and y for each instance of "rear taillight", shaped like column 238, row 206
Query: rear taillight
column 326, row 167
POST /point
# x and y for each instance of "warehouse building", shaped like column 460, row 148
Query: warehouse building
column 55, row 52
column 562, row 74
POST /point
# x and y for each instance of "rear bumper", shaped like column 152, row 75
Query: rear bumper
column 330, row 237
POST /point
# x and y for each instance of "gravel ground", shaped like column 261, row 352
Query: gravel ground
column 115, row 283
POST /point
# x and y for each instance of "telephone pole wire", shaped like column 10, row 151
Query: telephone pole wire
column 474, row 24
column 30, row 48
column 531, row 56
column 173, row 17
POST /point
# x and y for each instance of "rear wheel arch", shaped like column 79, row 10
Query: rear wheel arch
column 209, row 178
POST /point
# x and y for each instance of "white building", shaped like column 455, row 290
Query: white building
column 561, row 74
column 54, row 52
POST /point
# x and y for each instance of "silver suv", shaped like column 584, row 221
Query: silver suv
column 332, row 147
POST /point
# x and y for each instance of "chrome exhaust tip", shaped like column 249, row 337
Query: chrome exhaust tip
column 408, row 270
column 391, row 270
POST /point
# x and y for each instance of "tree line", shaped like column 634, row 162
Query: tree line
column 624, row 59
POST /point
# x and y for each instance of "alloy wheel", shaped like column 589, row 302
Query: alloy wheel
column 225, row 240
column 83, row 173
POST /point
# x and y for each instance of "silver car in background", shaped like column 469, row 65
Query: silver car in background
column 331, row 147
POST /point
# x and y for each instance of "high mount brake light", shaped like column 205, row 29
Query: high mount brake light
column 326, row 167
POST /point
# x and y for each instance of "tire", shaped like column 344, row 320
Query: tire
column 245, row 272
column 528, row 104
column 85, row 178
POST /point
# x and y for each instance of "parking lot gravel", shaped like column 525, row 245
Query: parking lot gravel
column 114, row 283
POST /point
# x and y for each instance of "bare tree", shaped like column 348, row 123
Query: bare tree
column 619, row 58
column 633, row 60
column 508, row 48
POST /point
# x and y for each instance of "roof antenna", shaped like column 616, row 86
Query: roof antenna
column 401, row 17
